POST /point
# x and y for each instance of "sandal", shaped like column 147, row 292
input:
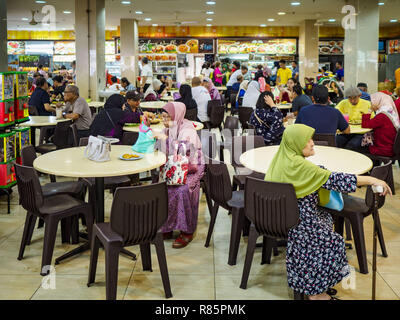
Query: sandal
column 331, row 292
column 182, row 241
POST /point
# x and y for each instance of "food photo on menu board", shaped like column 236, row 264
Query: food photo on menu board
column 64, row 47
column 394, row 46
column 277, row 46
column 160, row 46
column 16, row 47
column 331, row 47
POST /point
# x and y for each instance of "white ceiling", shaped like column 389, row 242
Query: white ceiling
column 226, row 12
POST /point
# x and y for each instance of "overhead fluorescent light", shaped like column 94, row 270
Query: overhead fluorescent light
column 296, row 3
column 281, row 13
column 139, row 12
column 210, row 12
column 271, row 20
column 125, row 2
column 147, row 19
column 67, row 12
column 263, row 25
column 332, row 20
column 209, row 19
column 211, row 3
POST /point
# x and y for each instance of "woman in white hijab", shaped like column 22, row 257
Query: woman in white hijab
column 251, row 96
column 150, row 94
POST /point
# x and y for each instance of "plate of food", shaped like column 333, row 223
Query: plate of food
column 155, row 121
column 132, row 124
column 131, row 156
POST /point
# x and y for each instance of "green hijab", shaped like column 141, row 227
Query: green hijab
column 290, row 166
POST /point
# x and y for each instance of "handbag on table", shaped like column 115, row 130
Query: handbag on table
column 145, row 142
column 98, row 149
column 176, row 169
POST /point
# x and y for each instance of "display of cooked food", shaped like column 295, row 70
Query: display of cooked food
column 170, row 48
column 193, row 44
column 183, row 48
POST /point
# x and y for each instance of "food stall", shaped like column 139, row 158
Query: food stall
column 178, row 58
column 255, row 52
column 330, row 52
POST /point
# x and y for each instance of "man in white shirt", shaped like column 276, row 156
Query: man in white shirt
column 201, row 96
column 146, row 75
column 233, row 79
column 207, row 70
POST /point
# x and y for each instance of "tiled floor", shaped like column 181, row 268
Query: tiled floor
column 195, row 272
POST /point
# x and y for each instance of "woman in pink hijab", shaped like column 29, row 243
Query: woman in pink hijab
column 385, row 124
column 183, row 201
column 215, row 95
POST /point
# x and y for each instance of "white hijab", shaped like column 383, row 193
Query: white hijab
column 150, row 90
column 251, row 96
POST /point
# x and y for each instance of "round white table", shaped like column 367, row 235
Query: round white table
column 71, row 162
column 334, row 159
column 96, row 104
column 357, row 129
column 152, row 104
column 160, row 127
column 40, row 121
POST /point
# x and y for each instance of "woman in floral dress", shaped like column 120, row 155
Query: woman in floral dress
column 267, row 119
column 316, row 255
column 183, row 201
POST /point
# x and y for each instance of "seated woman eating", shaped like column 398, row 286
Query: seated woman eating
column 385, row 124
column 111, row 120
column 183, row 200
column 267, row 119
column 316, row 255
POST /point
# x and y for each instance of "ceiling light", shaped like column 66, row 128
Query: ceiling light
column 295, row 3
column 281, row 13
column 24, row 19
column 209, row 25
column 125, row 2
column 155, row 25
column 40, row 1
column 139, row 12
column 147, row 19
column 394, row 20
column 332, row 20
column 263, row 25
column 381, row 3
column 271, row 20
column 67, row 12
column 210, row 12
column 209, row 19
column 211, row 3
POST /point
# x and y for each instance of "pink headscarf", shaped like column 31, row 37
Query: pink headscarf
column 214, row 94
column 182, row 129
column 386, row 105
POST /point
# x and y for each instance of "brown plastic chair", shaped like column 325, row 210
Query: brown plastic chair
column 76, row 189
column 273, row 210
column 231, row 124
column 209, row 148
column 129, row 138
column 216, row 113
column 191, row 114
column 51, row 209
column 244, row 116
column 137, row 214
column 381, row 159
column 60, row 138
column 356, row 210
column 75, row 136
column 220, row 191
column 232, row 100
column 241, row 145
column 329, row 138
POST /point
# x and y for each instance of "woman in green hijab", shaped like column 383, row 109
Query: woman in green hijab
column 316, row 255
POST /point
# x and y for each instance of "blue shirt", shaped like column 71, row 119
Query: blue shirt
column 324, row 119
column 365, row 96
column 130, row 87
column 295, row 71
column 236, row 86
column 300, row 102
column 38, row 98
column 340, row 73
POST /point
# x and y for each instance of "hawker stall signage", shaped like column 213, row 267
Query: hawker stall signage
column 163, row 46
column 272, row 46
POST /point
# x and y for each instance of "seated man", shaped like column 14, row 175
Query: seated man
column 77, row 109
column 132, row 104
column 40, row 98
column 236, row 85
column 201, row 96
column 126, row 85
column 320, row 116
column 364, row 91
column 59, row 88
column 300, row 100
column 354, row 107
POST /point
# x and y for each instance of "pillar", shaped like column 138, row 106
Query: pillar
column 3, row 36
column 90, row 21
column 308, row 50
column 129, row 49
column 361, row 45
